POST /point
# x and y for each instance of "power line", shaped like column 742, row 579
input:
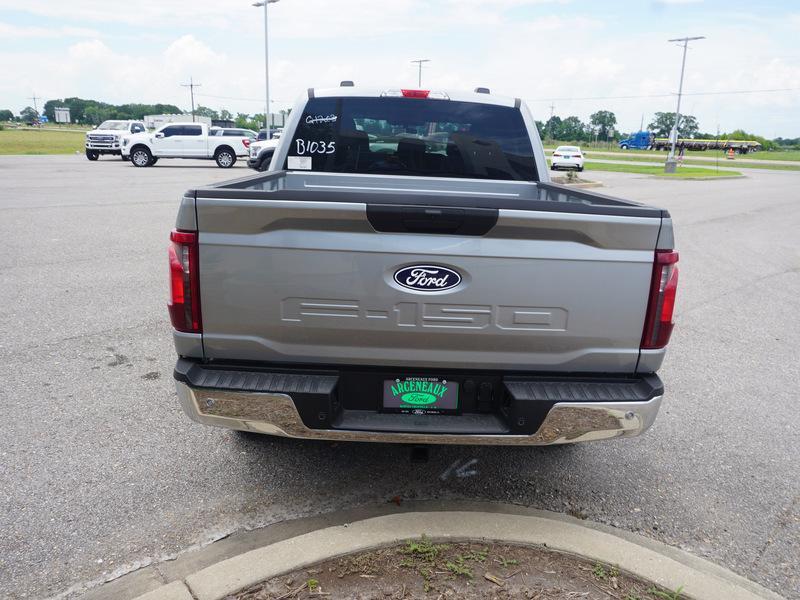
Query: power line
column 259, row 100
column 669, row 95
column 419, row 61
column 35, row 98
column 741, row 92
column 673, row 135
column 191, row 85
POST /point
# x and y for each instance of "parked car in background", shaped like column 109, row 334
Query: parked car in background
column 107, row 137
column 234, row 132
column 261, row 154
column 406, row 272
column 276, row 134
column 567, row 157
column 188, row 140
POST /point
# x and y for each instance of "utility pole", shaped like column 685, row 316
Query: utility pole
column 35, row 98
column 419, row 62
column 265, row 4
column 191, row 85
column 670, row 165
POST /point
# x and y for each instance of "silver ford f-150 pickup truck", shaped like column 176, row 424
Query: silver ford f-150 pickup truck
column 406, row 272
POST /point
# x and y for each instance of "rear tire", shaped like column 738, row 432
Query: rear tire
column 141, row 157
column 225, row 158
column 92, row 155
column 624, row 147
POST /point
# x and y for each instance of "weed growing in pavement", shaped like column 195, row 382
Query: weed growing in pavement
column 459, row 568
column 477, row 555
column 600, row 572
column 424, row 549
column 312, row 585
column 665, row 595
column 506, row 562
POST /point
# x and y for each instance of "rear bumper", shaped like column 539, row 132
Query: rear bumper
column 271, row 402
column 567, row 164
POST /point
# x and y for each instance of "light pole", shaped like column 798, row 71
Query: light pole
column 265, row 4
column 670, row 165
column 419, row 62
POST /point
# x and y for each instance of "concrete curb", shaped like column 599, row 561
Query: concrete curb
column 642, row 557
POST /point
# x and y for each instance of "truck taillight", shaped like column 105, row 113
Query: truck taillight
column 246, row 142
column 658, row 320
column 184, row 279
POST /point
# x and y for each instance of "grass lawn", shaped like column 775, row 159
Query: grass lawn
column 658, row 170
column 723, row 162
column 44, row 141
column 763, row 155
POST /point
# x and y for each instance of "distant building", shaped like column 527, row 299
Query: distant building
column 156, row 121
column 62, row 114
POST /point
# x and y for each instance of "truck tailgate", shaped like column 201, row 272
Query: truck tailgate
column 313, row 282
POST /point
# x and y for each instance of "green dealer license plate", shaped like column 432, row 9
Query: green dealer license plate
column 420, row 395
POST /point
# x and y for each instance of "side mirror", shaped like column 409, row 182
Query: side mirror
column 159, row 135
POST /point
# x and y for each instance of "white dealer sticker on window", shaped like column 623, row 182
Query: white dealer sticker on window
column 300, row 162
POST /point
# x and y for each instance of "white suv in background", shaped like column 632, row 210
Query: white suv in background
column 107, row 137
column 567, row 157
column 188, row 140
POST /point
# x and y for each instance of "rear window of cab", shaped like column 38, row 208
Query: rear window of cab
column 412, row 136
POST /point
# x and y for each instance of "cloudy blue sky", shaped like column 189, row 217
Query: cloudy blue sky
column 546, row 51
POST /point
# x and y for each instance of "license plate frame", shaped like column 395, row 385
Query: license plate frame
column 421, row 395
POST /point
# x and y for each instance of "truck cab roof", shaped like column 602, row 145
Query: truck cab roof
column 442, row 94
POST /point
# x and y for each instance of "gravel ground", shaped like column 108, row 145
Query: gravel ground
column 100, row 471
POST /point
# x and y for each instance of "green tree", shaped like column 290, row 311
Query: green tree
column 662, row 124
column 28, row 115
column 6, row 115
column 572, row 129
column 78, row 108
column 204, row 111
column 604, row 120
column 226, row 115
column 741, row 134
column 540, row 128
column 552, row 128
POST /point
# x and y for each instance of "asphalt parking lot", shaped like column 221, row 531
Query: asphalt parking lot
column 100, row 472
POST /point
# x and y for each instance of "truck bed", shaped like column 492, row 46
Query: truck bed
column 300, row 268
column 477, row 193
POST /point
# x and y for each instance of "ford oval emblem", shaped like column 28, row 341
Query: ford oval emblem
column 427, row 278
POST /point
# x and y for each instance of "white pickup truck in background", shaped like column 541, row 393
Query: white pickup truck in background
column 188, row 140
column 107, row 137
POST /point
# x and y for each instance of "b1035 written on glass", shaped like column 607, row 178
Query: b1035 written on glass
column 306, row 147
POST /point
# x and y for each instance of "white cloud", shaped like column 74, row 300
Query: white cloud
column 555, row 53
column 10, row 31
